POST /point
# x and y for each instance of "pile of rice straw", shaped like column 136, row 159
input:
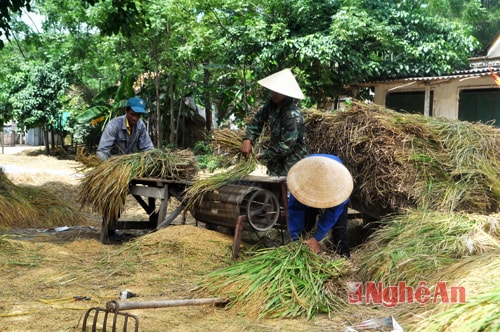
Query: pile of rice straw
column 479, row 277
column 27, row 206
column 413, row 246
column 403, row 161
column 288, row 281
column 105, row 187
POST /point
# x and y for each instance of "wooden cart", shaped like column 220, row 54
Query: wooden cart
column 153, row 196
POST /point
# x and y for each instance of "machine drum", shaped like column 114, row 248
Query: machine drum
column 225, row 205
column 262, row 210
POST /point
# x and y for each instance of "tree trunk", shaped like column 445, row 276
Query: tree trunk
column 206, row 100
column 159, row 134
column 173, row 134
column 46, row 140
column 53, row 140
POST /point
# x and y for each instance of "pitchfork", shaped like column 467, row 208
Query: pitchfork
column 114, row 308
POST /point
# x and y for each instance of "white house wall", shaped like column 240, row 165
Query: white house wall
column 446, row 93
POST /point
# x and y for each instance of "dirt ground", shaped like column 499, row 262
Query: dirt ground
column 43, row 270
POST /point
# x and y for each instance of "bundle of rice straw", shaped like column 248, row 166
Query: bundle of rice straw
column 27, row 206
column 105, row 187
column 288, row 281
column 226, row 141
column 229, row 142
column 403, row 161
column 481, row 312
column 414, row 246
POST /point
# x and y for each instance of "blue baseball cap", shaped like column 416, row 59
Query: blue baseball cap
column 137, row 104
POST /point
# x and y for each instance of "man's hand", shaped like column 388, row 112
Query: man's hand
column 246, row 147
column 313, row 244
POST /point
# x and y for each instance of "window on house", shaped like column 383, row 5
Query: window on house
column 408, row 102
column 480, row 105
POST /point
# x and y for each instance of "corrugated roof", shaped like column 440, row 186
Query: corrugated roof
column 459, row 74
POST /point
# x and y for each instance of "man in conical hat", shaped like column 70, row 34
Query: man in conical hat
column 286, row 124
column 322, row 183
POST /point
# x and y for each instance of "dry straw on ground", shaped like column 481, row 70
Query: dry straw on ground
column 30, row 206
column 414, row 246
column 479, row 277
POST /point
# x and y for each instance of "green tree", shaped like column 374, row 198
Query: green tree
column 482, row 16
column 215, row 51
column 8, row 8
column 38, row 102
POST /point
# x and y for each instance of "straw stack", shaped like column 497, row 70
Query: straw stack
column 414, row 246
column 105, row 187
column 480, row 279
column 401, row 161
column 26, row 206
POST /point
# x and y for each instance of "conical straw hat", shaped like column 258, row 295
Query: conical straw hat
column 283, row 82
column 319, row 182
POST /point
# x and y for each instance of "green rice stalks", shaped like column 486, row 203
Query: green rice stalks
column 416, row 245
column 229, row 142
column 288, row 281
column 195, row 193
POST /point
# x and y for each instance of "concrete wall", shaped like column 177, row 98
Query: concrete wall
column 446, row 92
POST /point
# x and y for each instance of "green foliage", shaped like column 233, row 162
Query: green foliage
column 108, row 103
column 216, row 51
column 201, row 148
column 207, row 160
column 7, row 8
column 37, row 101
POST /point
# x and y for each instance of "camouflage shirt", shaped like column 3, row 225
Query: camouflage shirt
column 287, row 142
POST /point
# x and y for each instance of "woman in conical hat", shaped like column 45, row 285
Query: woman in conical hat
column 320, row 182
column 286, row 123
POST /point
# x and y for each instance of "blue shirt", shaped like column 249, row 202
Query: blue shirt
column 296, row 213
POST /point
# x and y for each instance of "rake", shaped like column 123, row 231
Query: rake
column 113, row 317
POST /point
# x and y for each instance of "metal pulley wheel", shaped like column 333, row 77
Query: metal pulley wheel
column 263, row 210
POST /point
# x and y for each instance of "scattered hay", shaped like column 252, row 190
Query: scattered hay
column 105, row 187
column 288, row 281
column 403, row 161
column 192, row 243
column 416, row 245
column 87, row 160
column 481, row 312
column 27, row 206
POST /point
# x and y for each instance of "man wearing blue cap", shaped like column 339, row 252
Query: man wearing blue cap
column 123, row 135
column 127, row 133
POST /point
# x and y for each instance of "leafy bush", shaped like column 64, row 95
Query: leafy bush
column 206, row 159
